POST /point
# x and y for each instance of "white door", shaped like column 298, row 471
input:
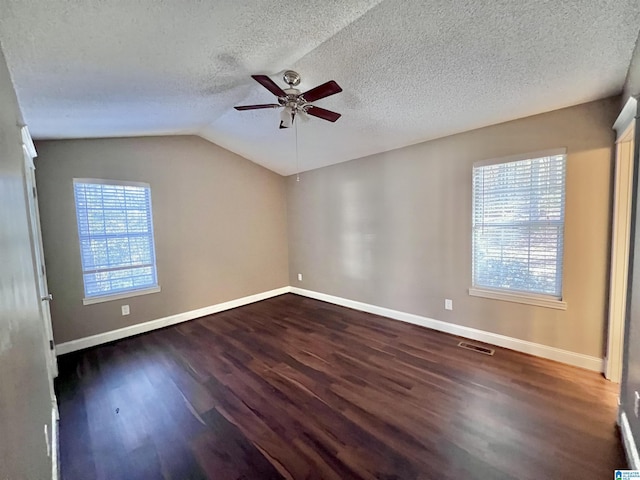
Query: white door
column 29, row 152
column 38, row 255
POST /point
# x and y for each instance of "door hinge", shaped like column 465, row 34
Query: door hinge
column 42, row 268
column 33, row 189
column 50, row 344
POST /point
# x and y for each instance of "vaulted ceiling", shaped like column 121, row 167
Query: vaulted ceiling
column 411, row 70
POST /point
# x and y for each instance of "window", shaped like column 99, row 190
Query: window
column 518, row 225
column 115, row 228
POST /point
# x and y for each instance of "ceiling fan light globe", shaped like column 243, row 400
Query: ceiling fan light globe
column 286, row 117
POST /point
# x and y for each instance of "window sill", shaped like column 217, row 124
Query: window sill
column 120, row 296
column 528, row 299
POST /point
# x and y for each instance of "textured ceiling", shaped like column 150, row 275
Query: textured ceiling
column 410, row 70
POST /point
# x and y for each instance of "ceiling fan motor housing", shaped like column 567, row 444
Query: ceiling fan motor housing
column 293, row 100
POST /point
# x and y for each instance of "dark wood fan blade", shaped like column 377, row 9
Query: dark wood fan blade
column 323, row 114
column 321, row 91
column 256, row 107
column 269, row 84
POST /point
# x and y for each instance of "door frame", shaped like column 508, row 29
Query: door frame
column 621, row 224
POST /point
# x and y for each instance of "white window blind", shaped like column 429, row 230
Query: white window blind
column 115, row 228
column 518, row 225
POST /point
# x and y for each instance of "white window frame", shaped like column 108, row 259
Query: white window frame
column 517, row 296
column 124, row 294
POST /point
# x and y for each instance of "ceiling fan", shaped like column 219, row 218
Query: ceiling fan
column 292, row 101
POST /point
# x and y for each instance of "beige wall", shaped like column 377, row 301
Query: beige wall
column 394, row 229
column 219, row 223
column 25, row 405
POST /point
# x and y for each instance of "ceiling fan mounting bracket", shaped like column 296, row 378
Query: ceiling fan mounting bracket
column 291, row 78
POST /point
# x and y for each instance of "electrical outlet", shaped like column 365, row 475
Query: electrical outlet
column 636, row 402
column 448, row 304
column 125, row 310
column 299, row 277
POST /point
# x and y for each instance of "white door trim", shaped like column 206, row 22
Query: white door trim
column 629, row 443
column 55, row 443
column 620, row 240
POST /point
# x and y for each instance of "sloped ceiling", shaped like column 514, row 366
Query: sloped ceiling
column 411, row 70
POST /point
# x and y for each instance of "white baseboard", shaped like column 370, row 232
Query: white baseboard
column 629, row 443
column 544, row 351
column 106, row 337
column 564, row 356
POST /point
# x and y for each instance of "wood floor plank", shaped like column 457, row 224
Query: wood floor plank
column 294, row 388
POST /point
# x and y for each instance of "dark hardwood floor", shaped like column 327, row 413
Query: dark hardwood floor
column 299, row 389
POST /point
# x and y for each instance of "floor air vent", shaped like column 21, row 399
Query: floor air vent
column 477, row 348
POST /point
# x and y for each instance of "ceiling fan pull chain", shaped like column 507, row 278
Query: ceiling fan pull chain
column 295, row 127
